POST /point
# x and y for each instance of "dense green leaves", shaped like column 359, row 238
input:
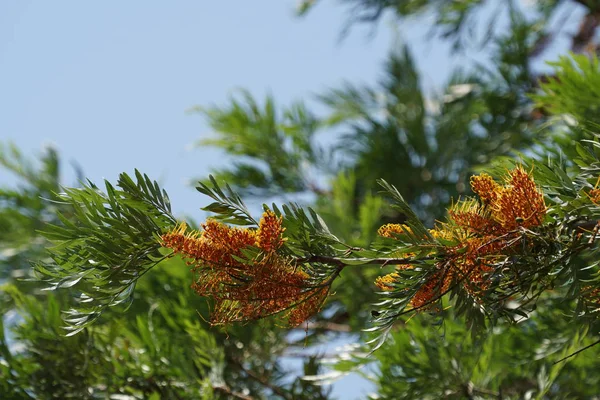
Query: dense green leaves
column 512, row 362
column 111, row 243
column 26, row 207
column 141, row 358
column 228, row 205
column 573, row 91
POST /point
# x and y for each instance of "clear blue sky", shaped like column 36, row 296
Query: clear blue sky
column 109, row 83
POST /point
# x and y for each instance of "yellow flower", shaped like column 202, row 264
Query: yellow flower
column 392, row 230
column 386, row 282
column 485, row 187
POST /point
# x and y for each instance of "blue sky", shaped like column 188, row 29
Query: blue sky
column 108, row 83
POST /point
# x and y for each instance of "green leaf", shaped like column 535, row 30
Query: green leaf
column 111, row 242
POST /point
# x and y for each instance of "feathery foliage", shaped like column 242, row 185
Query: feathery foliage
column 111, row 244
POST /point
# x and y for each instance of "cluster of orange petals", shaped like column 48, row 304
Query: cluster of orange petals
column 594, row 195
column 242, row 289
column 485, row 232
column 591, row 298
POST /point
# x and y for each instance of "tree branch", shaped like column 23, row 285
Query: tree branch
column 225, row 389
column 328, row 326
column 263, row 381
column 340, row 263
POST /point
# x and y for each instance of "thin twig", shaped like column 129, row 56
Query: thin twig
column 577, row 352
column 225, row 389
column 338, row 262
column 328, row 326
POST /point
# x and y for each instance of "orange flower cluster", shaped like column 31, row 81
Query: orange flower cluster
column 246, row 290
column 435, row 286
column 594, row 195
column 269, row 236
column 486, row 188
column 485, row 232
column 591, row 297
column 518, row 203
